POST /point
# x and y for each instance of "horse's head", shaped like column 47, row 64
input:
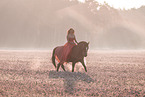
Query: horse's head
column 84, row 47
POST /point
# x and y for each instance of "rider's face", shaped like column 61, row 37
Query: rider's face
column 71, row 31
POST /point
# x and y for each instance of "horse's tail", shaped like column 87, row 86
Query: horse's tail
column 53, row 57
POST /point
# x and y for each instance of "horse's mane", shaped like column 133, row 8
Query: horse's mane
column 82, row 42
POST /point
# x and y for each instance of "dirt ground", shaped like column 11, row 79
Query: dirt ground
column 110, row 73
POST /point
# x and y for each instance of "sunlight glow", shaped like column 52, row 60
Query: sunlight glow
column 82, row 1
column 120, row 4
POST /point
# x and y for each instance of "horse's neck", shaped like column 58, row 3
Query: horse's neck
column 80, row 45
column 79, row 48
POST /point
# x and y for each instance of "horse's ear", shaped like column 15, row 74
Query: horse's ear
column 88, row 42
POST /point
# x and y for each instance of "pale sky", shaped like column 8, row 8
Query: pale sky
column 121, row 4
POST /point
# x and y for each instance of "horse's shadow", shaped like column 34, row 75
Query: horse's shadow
column 70, row 78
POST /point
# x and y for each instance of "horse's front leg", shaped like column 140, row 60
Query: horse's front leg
column 62, row 66
column 83, row 63
column 58, row 66
column 73, row 65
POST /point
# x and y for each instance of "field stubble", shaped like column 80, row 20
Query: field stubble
column 110, row 73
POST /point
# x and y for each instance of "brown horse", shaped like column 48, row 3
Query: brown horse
column 76, row 55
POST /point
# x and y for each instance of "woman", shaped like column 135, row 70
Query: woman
column 71, row 42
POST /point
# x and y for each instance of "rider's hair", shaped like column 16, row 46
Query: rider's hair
column 71, row 30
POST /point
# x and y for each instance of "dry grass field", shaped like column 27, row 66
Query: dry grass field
column 110, row 73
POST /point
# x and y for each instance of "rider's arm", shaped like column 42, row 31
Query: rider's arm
column 75, row 40
column 67, row 38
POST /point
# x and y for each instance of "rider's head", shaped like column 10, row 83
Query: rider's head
column 71, row 30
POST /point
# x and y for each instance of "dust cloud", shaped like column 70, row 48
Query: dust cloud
column 35, row 24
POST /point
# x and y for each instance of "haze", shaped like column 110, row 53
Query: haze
column 119, row 4
column 43, row 24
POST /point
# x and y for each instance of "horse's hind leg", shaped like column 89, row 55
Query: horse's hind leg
column 58, row 66
column 54, row 65
column 53, row 58
column 62, row 66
